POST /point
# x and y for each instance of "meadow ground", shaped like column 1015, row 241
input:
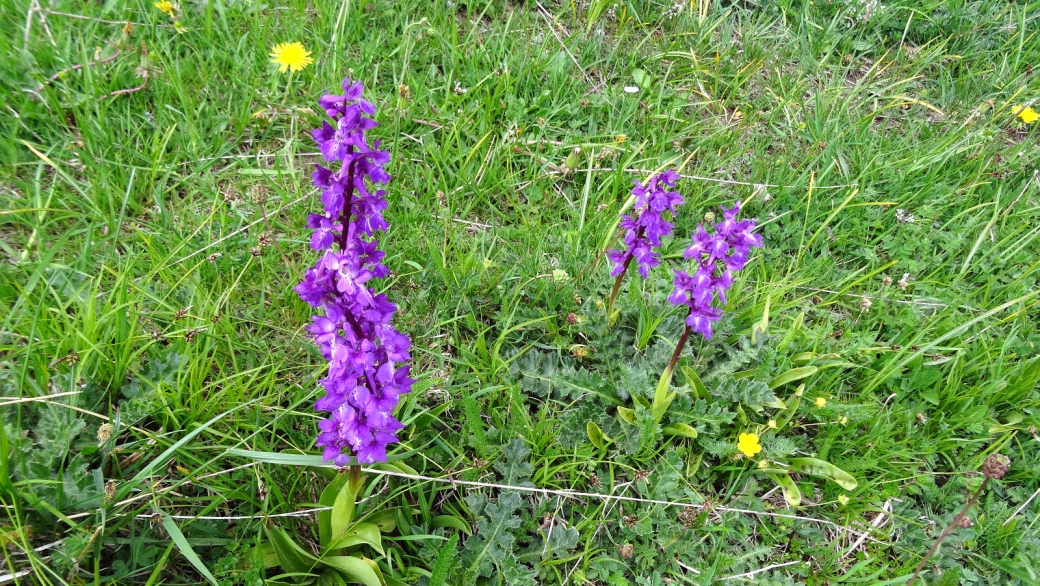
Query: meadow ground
column 158, row 385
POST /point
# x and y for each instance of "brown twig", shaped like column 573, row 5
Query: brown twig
column 994, row 467
column 79, row 66
column 129, row 90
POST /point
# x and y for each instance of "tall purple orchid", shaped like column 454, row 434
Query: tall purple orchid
column 645, row 227
column 717, row 257
column 368, row 368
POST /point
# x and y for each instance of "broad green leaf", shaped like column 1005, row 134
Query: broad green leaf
column 453, row 522
column 662, row 398
column 328, row 499
column 356, row 569
column 361, row 533
column 291, row 557
column 385, row 519
column 673, row 429
column 694, row 381
column 815, row 467
column 792, row 495
column 791, row 408
column 793, row 375
column 803, row 358
column 629, row 415
column 641, row 401
column 185, row 548
column 595, row 434
column 342, row 513
column 763, row 324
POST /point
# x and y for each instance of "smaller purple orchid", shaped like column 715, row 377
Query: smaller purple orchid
column 718, row 257
column 645, row 227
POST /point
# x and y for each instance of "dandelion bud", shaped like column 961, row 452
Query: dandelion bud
column 572, row 159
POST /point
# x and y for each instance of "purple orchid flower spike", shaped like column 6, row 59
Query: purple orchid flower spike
column 644, row 228
column 717, row 256
column 368, row 358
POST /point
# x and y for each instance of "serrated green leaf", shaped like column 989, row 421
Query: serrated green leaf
column 493, row 540
column 514, row 467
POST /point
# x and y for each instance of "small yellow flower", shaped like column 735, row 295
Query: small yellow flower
column 763, row 464
column 771, row 424
column 844, row 500
column 1027, row 114
column 820, row 401
column 748, row 444
column 291, row 56
column 165, row 6
column 844, row 420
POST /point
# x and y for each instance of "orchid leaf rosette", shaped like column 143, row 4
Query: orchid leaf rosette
column 368, row 358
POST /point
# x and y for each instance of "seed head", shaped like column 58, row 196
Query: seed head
column 996, row 466
column 104, row 432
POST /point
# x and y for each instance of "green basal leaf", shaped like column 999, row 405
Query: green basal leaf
column 291, row 557
column 792, row 495
column 674, row 429
column 791, row 408
column 694, row 382
column 803, row 358
column 358, row 534
column 453, row 522
column 821, row 468
column 342, row 514
column 357, row 570
column 628, row 415
column 662, row 398
column 328, row 499
column 385, row 519
column 595, row 435
column 792, row 375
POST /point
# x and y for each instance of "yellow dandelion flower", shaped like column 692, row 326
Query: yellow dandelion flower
column 291, row 56
column 820, row 401
column 748, row 444
column 1027, row 114
column 165, row 6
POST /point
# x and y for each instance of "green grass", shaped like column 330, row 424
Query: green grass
column 141, row 286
